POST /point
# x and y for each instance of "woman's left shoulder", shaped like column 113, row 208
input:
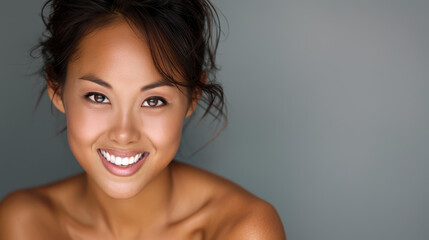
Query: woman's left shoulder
column 256, row 220
column 236, row 213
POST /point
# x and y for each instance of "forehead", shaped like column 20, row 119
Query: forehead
column 115, row 51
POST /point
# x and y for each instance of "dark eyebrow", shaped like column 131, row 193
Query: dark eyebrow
column 99, row 81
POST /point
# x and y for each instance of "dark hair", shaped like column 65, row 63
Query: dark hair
column 182, row 35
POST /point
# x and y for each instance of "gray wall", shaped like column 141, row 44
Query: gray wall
column 327, row 107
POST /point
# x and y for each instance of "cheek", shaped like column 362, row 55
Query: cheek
column 164, row 130
column 83, row 128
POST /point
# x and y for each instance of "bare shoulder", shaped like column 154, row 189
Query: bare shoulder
column 234, row 212
column 259, row 221
column 26, row 214
column 34, row 213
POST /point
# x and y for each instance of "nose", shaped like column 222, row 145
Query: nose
column 124, row 129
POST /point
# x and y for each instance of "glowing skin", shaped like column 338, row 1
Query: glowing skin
column 122, row 119
column 109, row 106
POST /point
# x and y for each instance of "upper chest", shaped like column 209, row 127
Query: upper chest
column 202, row 225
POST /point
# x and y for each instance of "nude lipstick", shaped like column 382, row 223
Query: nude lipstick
column 122, row 164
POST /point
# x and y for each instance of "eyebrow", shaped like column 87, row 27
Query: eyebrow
column 101, row 82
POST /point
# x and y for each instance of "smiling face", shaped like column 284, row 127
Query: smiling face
column 123, row 123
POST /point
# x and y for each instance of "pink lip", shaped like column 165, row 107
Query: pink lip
column 122, row 171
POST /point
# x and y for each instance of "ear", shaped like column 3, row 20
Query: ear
column 197, row 96
column 56, row 97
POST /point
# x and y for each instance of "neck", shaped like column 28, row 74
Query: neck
column 147, row 209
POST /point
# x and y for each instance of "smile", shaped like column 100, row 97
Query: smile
column 121, row 161
column 122, row 164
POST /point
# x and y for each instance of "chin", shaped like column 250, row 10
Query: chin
column 120, row 190
column 122, row 195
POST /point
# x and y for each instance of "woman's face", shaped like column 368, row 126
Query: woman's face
column 116, row 105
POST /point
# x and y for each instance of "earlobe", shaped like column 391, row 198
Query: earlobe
column 56, row 99
column 197, row 96
column 191, row 107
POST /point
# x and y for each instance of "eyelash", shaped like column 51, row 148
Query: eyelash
column 91, row 97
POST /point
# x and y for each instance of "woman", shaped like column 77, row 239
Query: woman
column 127, row 73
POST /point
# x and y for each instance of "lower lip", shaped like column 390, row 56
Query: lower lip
column 122, row 171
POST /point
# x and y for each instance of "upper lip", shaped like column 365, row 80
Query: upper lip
column 121, row 153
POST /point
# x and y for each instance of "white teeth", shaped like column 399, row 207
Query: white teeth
column 118, row 161
column 121, row 161
column 125, row 161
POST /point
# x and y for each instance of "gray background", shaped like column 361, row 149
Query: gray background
column 327, row 107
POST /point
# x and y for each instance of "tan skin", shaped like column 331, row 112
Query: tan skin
column 164, row 199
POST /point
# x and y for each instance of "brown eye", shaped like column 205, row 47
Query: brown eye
column 97, row 98
column 154, row 102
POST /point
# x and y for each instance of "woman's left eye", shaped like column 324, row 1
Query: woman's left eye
column 154, row 102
